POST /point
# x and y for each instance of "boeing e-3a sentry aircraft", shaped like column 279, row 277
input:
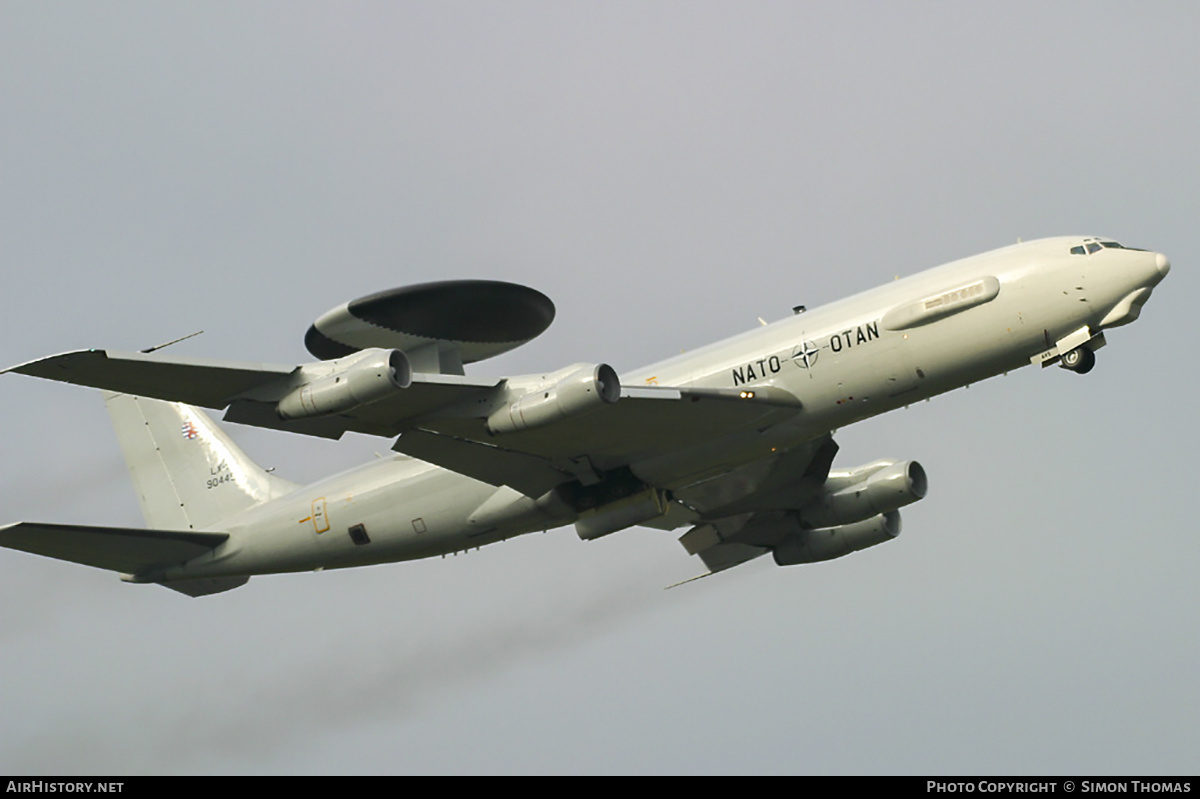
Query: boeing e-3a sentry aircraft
column 733, row 441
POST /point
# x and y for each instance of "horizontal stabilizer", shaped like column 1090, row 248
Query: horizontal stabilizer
column 127, row 550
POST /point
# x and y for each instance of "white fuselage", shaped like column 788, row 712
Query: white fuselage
column 879, row 350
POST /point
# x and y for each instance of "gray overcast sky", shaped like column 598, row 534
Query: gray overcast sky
column 666, row 172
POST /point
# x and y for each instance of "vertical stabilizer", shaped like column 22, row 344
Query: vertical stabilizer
column 188, row 474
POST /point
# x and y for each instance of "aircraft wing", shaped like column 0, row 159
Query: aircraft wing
column 251, row 390
column 643, row 424
column 203, row 382
column 441, row 418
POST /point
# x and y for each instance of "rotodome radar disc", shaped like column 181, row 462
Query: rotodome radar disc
column 484, row 317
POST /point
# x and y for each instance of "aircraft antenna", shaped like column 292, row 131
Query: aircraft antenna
column 169, row 343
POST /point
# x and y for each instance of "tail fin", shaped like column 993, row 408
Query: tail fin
column 188, row 474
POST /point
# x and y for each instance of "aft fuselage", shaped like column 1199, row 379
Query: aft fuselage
column 902, row 342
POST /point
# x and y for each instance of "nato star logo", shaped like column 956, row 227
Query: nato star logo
column 805, row 355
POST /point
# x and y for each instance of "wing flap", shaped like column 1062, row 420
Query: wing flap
column 726, row 556
column 122, row 549
column 529, row 474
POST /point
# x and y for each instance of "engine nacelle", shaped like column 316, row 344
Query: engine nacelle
column 358, row 379
column 565, row 393
column 812, row 546
column 864, row 492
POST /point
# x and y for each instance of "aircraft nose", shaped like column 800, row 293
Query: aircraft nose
column 1163, row 265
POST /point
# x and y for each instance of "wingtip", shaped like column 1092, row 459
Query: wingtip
column 32, row 369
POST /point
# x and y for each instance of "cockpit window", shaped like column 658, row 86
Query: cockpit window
column 1090, row 246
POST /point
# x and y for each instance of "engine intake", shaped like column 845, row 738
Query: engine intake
column 565, row 393
column 861, row 493
column 358, row 379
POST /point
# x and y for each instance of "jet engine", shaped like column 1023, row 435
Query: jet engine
column 568, row 392
column 356, row 380
column 857, row 494
column 812, row 546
